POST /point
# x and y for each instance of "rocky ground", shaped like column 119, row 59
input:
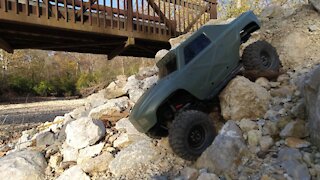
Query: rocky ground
column 269, row 132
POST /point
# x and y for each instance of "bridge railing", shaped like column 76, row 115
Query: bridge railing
column 167, row 18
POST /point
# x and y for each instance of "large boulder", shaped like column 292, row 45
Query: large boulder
column 226, row 152
column 45, row 139
column 89, row 152
column 312, row 98
column 294, row 50
column 149, row 82
column 160, row 54
column 145, row 72
column 84, row 132
column 291, row 160
column 74, row 172
column 273, row 11
column 113, row 110
column 294, row 129
column 96, row 99
column 115, row 88
column 244, row 99
column 69, row 153
column 315, row 4
column 133, row 158
column 23, row 165
column 174, row 42
column 97, row 164
column 128, row 135
column 132, row 84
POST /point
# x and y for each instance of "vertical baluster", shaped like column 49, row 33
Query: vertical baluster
column 27, row 8
column 179, row 16
column 165, row 15
column 17, row 6
column 65, row 10
column 143, row 13
column 74, row 11
column 38, row 8
column 90, row 13
column 129, row 10
column 154, row 21
column 197, row 7
column 175, row 18
column 170, row 22
column 188, row 13
column 118, row 13
column 184, row 15
column 149, row 18
column 160, row 28
column 57, row 9
column 193, row 12
column 98, row 13
column 125, row 24
column 81, row 9
column 137, row 16
column 47, row 8
column 5, row 5
column 104, row 13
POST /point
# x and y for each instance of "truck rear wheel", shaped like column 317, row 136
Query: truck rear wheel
column 261, row 56
column 191, row 133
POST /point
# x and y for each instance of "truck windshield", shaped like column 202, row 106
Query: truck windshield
column 167, row 64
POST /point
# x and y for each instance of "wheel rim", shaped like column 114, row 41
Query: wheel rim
column 196, row 137
column 265, row 58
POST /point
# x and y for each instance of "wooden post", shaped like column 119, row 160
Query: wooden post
column 27, row 8
column 130, row 15
column 213, row 9
column 74, row 11
column 57, row 9
column 81, row 9
column 65, row 10
column 104, row 13
column 47, row 9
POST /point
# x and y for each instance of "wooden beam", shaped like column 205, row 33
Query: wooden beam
column 197, row 18
column 73, row 45
column 5, row 46
column 130, row 42
column 111, row 10
column 162, row 16
column 53, row 24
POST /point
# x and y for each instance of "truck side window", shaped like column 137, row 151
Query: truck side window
column 167, row 65
column 195, row 47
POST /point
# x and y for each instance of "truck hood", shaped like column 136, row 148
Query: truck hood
column 143, row 115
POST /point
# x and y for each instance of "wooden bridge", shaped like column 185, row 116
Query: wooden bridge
column 114, row 27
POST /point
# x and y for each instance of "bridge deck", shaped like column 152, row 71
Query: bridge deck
column 128, row 27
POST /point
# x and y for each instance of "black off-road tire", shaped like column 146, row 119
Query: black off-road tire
column 261, row 56
column 191, row 133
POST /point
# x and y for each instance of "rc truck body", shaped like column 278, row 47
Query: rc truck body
column 191, row 76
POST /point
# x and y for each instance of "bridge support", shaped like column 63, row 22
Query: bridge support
column 5, row 46
column 130, row 42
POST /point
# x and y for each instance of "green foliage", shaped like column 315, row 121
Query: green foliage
column 21, row 85
column 44, row 88
column 86, row 80
column 63, row 74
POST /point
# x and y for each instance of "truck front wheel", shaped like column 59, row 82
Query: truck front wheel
column 191, row 133
column 260, row 55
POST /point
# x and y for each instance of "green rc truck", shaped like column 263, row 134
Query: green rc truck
column 191, row 76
